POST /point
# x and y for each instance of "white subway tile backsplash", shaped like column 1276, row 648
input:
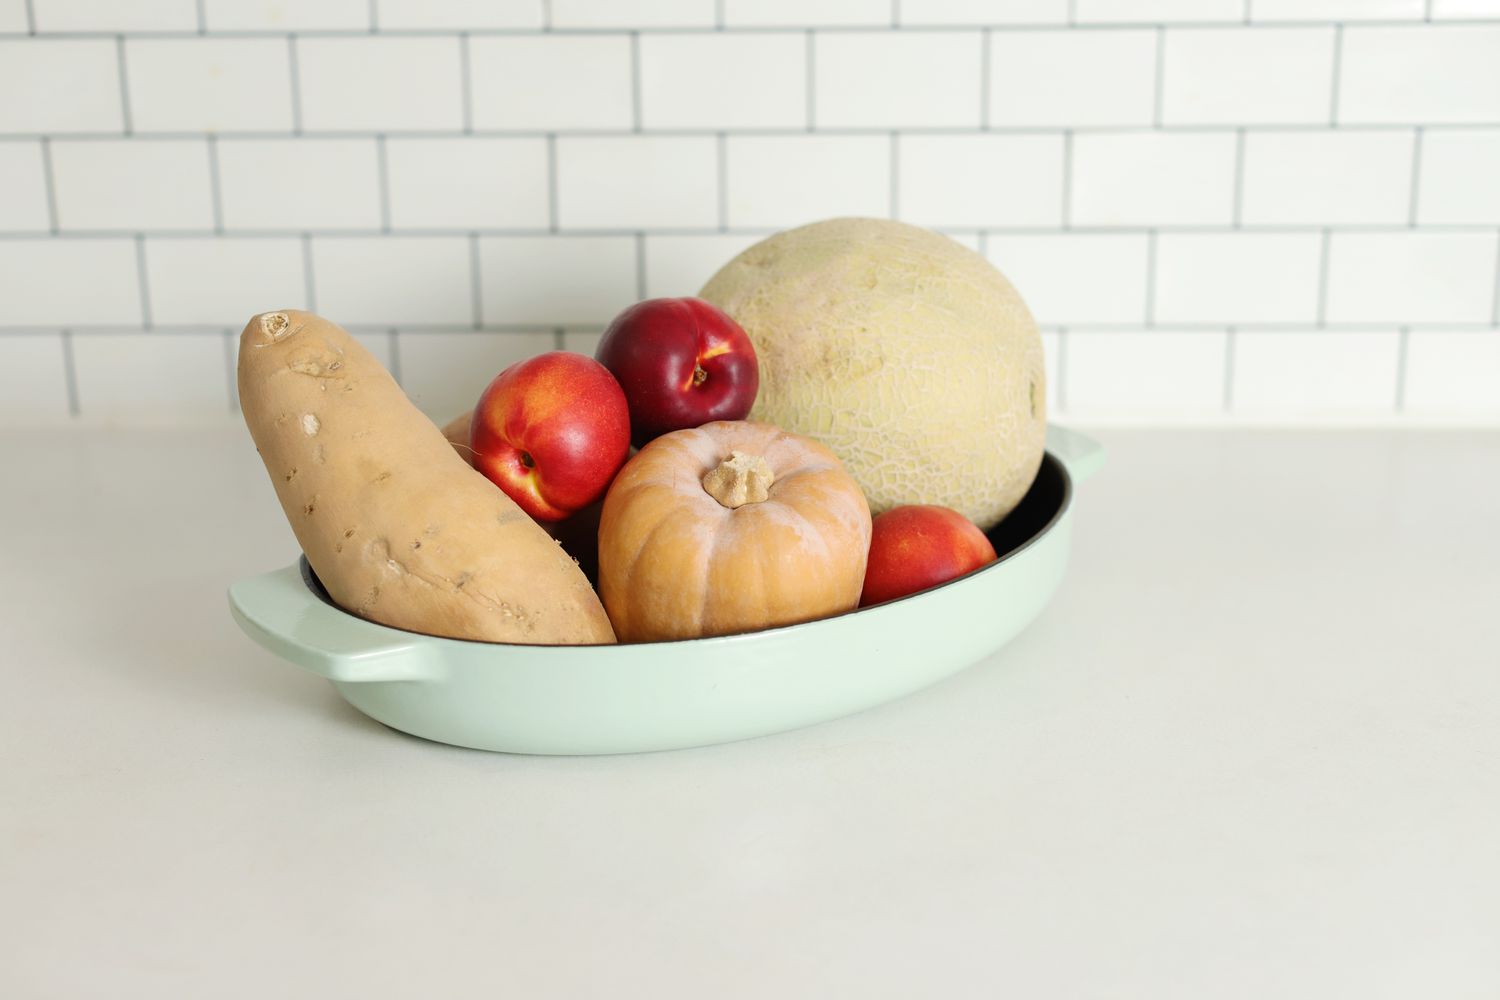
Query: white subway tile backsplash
column 379, row 83
column 1327, row 177
column 636, row 14
column 150, row 377
column 13, row 16
column 1158, row 11
column 1052, row 348
column 458, row 15
column 299, row 185
column 811, row 13
column 379, row 282
column 1453, row 373
column 1072, row 78
column 556, row 280
column 136, row 185
column 1423, row 73
column 888, row 80
column 79, row 76
column 1076, row 277
column 39, row 282
column 1153, row 178
column 1310, row 374
column 1231, row 278
column 967, row 12
column 112, row 15
column 681, row 265
column 1218, row 76
column 381, row 345
column 33, row 381
column 636, row 182
column 286, row 15
column 720, row 80
column 223, row 282
column 583, row 341
column 1460, row 179
column 551, row 82
column 1337, row 10
column 1146, row 374
column 468, row 183
column 209, row 84
column 1411, row 277
column 981, row 180
column 445, row 373
column 777, row 181
column 23, row 188
column 1458, row 9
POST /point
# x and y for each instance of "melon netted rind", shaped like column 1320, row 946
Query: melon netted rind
column 908, row 354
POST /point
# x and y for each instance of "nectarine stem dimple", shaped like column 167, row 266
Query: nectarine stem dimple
column 527, row 460
column 739, row 479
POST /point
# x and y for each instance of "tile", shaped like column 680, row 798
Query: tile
column 1453, row 373
column 1076, row 277
column 636, row 14
column 390, row 281
column 1072, row 78
column 1307, row 374
column 788, row 180
column 468, row 183
column 23, row 188
column 209, row 84
column 1157, row 11
column 218, row 281
column 380, row 344
column 112, row 15
column 445, row 373
column 1153, row 178
column 637, row 182
column 966, row 12
column 1145, row 373
column 981, row 180
column 582, row 341
column 33, row 382
column 40, row 282
column 137, row 184
column 1217, row 76
column 893, row 79
column 556, row 280
column 1337, row 10
column 348, row 84
column 808, row 13
column 1234, row 278
column 1442, row 9
column 75, row 85
column 681, row 265
column 505, row 71
column 150, row 378
column 286, row 15
column 459, row 15
column 1337, row 177
column 719, row 80
column 1421, row 74
column 1052, row 349
column 13, row 16
column 1411, row 277
column 299, row 184
column 1458, row 177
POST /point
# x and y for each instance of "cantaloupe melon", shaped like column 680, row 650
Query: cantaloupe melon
column 905, row 352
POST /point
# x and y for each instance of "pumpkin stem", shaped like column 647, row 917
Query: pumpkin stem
column 738, row 480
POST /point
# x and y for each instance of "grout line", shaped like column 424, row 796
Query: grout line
column 812, row 82
column 640, row 266
column 215, row 191
column 635, row 80
column 895, row 175
column 140, row 269
column 1323, row 256
column 895, row 13
column 1239, row 177
column 1229, row 344
column 1495, row 308
column 1067, row 180
column 1161, row 72
column 476, row 286
column 124, row 85
column 552, row 182
column 718, row 15
column 296, row 81
column 546, row 15
column 1338, row 62
column 1416, row 174
column 383, row 180
column 1427, row 11
column 1062, row 368
column 31, row 19
column 230, row 364
column 393, row 343
column 307, row 273
column 70, row 373
column 984, row 78
column 721, row 146
column 466, row 82
column 1072, row 13
column 202, row 17
column 1248, row 18
column 1403, row 343
column 557, row 338
column 374, row 16
column 1150, row 277
column 982, row 241
column 51, row 183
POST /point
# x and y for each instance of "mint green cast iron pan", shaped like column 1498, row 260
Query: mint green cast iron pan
column 665, row 695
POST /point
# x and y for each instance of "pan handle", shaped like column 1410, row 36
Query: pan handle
column 279, row 612
column 1082, row 455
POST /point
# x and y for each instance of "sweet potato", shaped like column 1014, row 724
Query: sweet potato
column 397, row 526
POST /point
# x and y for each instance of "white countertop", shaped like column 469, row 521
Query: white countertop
column 1251, row 750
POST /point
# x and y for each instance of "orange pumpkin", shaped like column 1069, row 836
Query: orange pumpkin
column 729, row 527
